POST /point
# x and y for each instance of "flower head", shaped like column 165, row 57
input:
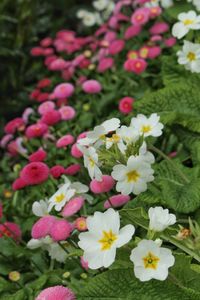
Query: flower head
column 34, row 173
column 56, row 293
column 160, row 218
column 91, row 86
column 189, row 56
column 63, row 90
column 187, row 21
column 63, row 195
column 147, row 126
column 104, row 236
column 151, row 261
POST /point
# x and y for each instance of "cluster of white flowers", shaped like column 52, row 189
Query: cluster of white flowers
column 162, row 3
column 125, row 151
column 104, row 236
column 196, row 3
column 103, row 10
column 189, row 56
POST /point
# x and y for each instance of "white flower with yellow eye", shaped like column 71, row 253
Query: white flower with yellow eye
column 132, row 178
column 196, row 3
column 147, row 126
column 40, row 208
column 91, row 162
column 63, row 195
column 160, row 218
column 116, row 139
column 151, row 261
column 128, row 134
column 187, row 21
column 104, row 236
column 190, row 57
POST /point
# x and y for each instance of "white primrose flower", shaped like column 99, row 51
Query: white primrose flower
column 100, row 4
column 190, row 56
column 166, row 3
column 187, row 21
column 79, row 187
column 133, row 178
column 63, row 195
column 160, row 218
column 196, row 3
column 37, row 243
column 147, row 126
column 91, row 162
column 89, row 19
column 56, row 252
column 99, row 132
column 104, row 236
column 147, row 156
column 128, row 134
column 40, row 208
column 116, row 139
column 152, row 3
column 151, row 261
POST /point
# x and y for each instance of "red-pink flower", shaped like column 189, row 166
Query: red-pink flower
column 39, row 155
column 103, row 186
column 116, row 200
column 46, row 107
column 81, row 224
column 104, row 64
column 56, row 293
column 14, row 125
column 51, row 117
column 132, row 31
column 5, row 140
column 155, row 11
column 170, row 42
column 11, row 230
column 126, row 105
column 63, row 90
column 75, row 152
column 64, row 141
column 43, row 83
column 116, row 47
column 91, row 86
column 73, row 206
column 18, row 184
column 60, row 230
column 36, row 130
column 67, row 112
column 159, row 28
column 57, row 64
column 136, row 66
column 57, row 171
column 34, row 173
column 140, row 16
column 154, row 52
column 46, row 42
column 72, row 169
column 42, row 227
column 37, row 51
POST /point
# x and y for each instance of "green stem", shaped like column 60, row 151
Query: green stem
column 159, row 152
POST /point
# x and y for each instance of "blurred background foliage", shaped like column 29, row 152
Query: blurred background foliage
column 22, row 24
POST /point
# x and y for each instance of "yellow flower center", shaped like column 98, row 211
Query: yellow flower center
column 115, row 138
column 146, row 128
column 107, row 240
column 191, row 56
column 91, row 162
column 188, row 22
column 151, row 261
column 133, row 176
column 59, row 198
column 132, row 55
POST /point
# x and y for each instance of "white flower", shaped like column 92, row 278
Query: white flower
column 63, row 195
column 187, row 21
column 190, row 56
column 128, row 134
column 100, row 4
column 99, row 132
column 81, row 13
column 151, row 261
column 166, row 3
column 152, row 3
column 79, row 187
column 116, row 139
column 91, row 162
column 196, row 3
column 89, row 19
column 147, row 126
column 40, row 208
column 37, row 243
column 160, row 218
column 133, row 177
column 146, row 155
column 104, row 236
column 57, row 253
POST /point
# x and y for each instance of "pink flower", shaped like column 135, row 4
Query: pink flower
column 46, row 42
column 75, row 152
column 65, row 140
column 5, row 140
column 116, row 200
column 126, row 105
column 43, row 83
column 11, row 230
column 84, row 263
column 140, row 16
column 1, row 210
column 36, row 130
column 103, row 186
column 132, row 54
column 57, row 64
column 14, row 125
column 91, row 86
column 46, row 107
column 34, row 94
column 81, row 224
column 143, row 52
column 136, row 66
column 18, row 184
column 37, row 51
column 155, row 11
column 170, row 42
column 42, row 227
column 34, row 173
column 16, row 146
column 154, row 52
column 56, row 293
column 51, row 117
column 159, row 28
column 72, row 169
column 132, row 31
column 60, row 230
column 156, row 38
column 67, row 112
column 39, row 155
column 64, row 90
column 73, row 206
column 26, row 114
column 42, row 97
column 57, row 171
column 104, row 64
column 116, row 47
column 48, row 51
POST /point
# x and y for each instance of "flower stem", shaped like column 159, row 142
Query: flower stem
column 159, row 152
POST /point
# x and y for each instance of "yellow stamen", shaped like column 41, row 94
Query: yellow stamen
column 191, row 56
column 114, row 139
column 188, row 22
column 91, row 162
column 133, row 176
column 151, row 261
column 146, row 128
column 107, row 240
column 59, row 198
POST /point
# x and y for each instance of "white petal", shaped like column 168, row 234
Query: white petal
column 125, row 235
